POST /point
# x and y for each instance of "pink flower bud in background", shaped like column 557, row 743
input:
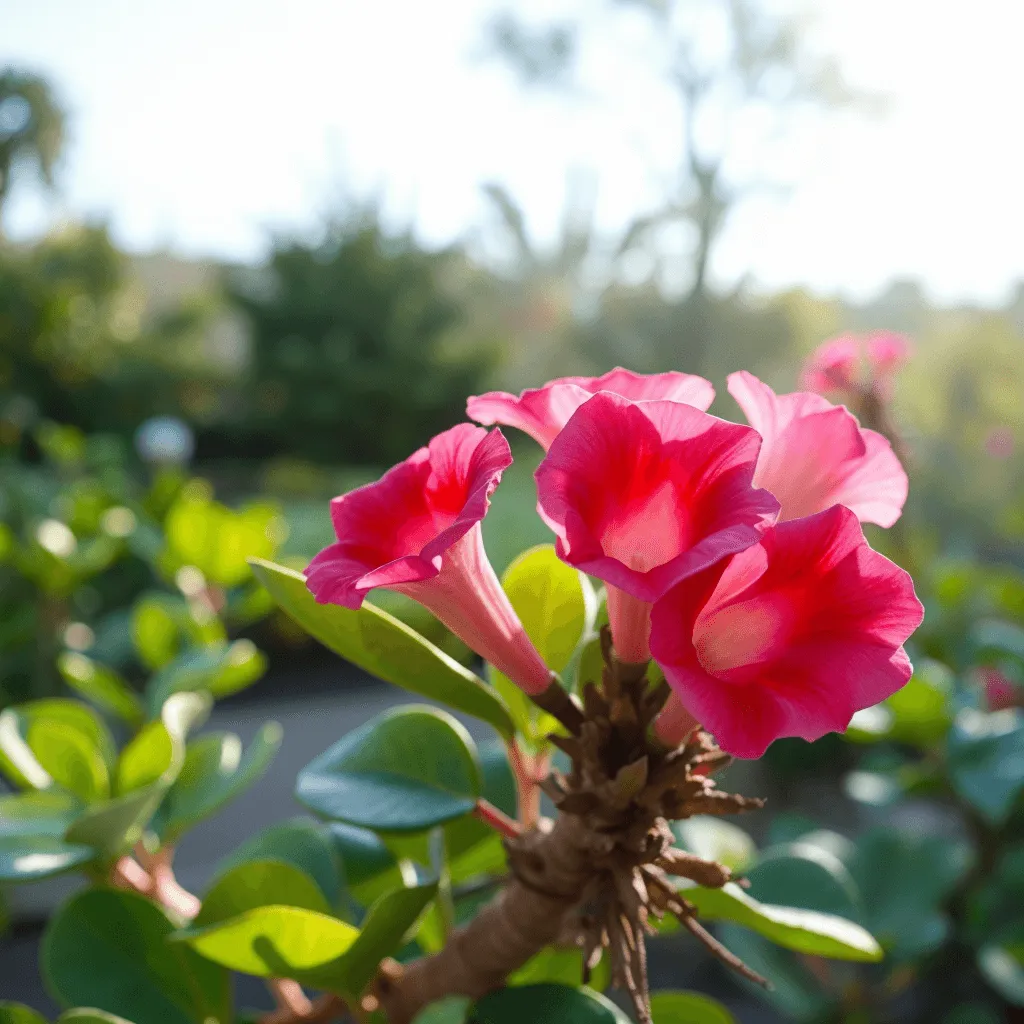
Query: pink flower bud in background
column 790, row 637
column 815, row 455
column 1000, row 692
column 543, row 412
column 417, row 531
column 644, row 494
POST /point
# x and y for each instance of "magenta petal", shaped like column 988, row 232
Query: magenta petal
column 543, row 412
column 795, row 636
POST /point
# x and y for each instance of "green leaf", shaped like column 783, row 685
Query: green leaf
column 193, row 670
column 306, row 845
column 499, row 789
column 370, row 867
column 101, row 685
column 904, row 879
column 405, row 771
column 795, row 991
column 545, row 1004
column 986, row 761
column 156, row 631
column 452, row 1010
column 243, row 663
column 17, row 1013
column 109, row 949
column 805, row 931
column 807, row 877
column 384, row 647
column 216, row 770
column 276, row 942
column 1003, row 969
column 921, row 709
column 688, row 1008
column 259, row 883
column 46, row 813
column 28, row 858
column 558, row 964
column 387, row 923
column 715, row 839
column 145, row 759
column 89, row 1016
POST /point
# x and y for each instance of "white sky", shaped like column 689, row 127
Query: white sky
column 200, row 124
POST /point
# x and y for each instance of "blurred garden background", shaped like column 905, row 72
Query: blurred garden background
column 252, row 255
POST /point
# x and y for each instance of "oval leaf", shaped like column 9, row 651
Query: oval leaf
column 109, row 949
column 384, row 647
column 259, row 883
column 405, row 771
column 101, row 685
column 688, row 1008
column 545, row 1004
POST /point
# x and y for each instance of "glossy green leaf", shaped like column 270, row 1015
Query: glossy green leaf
column 561, row 965
column 216, row 770
column 370, row 868
column 716, row 839
column 47, row 812
column 405, row 771
column 499, row 789
column 101, row 685
column 545, row 1004
column 688, row 1008
column 805, row 876
column 108, row 949
column 452, row 1010
column 145, row 759
column 904, row 879
column 1003, row 969
column 387, row 923
column 242, row 665
column 89, row 1016
column 259, row 883
column 384, row 647
column 986, row 761
column 28, row 858
column 276, row 942
column 18, row 1013
column 306, row 845
column 805, row 931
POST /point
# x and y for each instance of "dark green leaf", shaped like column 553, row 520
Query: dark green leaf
column 545, row 1004
column 259, row 883
column 115, row 826
column 48, row 812
column 101, row 685
column 83, row 1016
column 986, row 761
column 276, row 942
column 805, row 876
column 17, row 1013
column 369, row 867
column 405, row 771
column 109, row 950
column 27, row 858
column 384, row 647
column 1003, row 969
column 688, row 1008
column 452, row 1010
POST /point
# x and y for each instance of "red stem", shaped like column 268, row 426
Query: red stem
column 497, row 819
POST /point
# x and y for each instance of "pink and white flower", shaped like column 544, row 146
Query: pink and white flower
column 543, row 412
column 417, row 531
column 643, row 495
column 790, row 637
column 815, row 454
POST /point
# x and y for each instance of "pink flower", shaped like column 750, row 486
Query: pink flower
column 791, row 637
column 674, row 722
column 833, row 366
column 1000, row 692
column 887, row 352
column 815, row 455
column 543, row 412
column 417, row 531
column 644, row 494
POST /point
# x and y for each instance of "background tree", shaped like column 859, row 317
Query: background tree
column 31, row 130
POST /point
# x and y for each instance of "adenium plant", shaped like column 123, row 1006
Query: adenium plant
column 741, row 604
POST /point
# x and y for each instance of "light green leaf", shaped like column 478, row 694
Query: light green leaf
column 565, row 966
column 216, row 769
column 145, row 759
column 17, row 1013
column 243, row 663
column 688, row 1008
column 276, row 942
column 306, row 845
column 715, row 839
column 108, row 949
column 405, row 771
column 156, row 630
column 805, row 931
column 384, row 647
column 101, row 685
column 259, row 883
column 547, row 1003
column 387, row 924
column 28, row 858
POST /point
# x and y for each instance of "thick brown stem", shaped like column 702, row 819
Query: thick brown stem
column 559, row 703
column 526, row 917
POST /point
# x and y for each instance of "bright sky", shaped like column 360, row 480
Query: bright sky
column 201, row 124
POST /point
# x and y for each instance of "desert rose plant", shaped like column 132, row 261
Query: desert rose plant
column 738, row 603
